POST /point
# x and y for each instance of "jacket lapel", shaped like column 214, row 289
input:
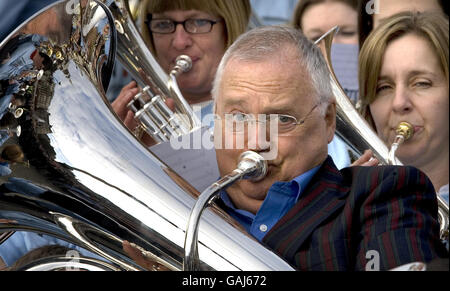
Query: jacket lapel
column 323, row 197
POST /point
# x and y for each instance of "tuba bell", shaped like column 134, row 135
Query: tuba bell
column 90, row 182
column 358, row 135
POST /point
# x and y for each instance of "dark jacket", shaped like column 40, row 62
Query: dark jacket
column 360, row 217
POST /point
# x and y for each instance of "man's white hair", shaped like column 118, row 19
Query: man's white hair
column 262, row 43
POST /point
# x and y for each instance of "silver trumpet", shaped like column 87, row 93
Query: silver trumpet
column 359, row 136
column 90, row 181
column 156, row 118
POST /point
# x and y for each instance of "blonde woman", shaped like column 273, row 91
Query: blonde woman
column 200, row 29
column 404, row 75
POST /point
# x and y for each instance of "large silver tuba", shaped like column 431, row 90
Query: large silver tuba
column 90, row 182
column 359, row 136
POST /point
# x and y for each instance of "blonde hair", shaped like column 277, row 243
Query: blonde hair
column 432, row 26
column 236, row 14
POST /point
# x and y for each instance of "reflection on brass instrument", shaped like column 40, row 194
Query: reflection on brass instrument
column 359, row 136
column 251, row 166
column 90, row 182
column 17, row 112
column 16, row 130
column 404, row 131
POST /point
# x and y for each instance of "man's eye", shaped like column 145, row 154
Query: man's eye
column 283, row 119
column 239, row 117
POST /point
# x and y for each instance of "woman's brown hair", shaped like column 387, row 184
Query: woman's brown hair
column 432, row 26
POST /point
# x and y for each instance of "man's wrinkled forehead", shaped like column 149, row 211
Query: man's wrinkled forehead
column 275, row 77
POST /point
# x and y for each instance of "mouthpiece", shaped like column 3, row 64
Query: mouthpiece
column 405, row 129
column 183, row 64
column 254, row 165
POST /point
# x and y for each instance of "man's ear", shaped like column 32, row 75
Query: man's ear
column 330, row 120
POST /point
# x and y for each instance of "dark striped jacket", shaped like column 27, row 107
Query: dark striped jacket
column 374, row 217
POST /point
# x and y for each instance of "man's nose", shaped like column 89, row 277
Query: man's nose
column 401, row 103
column 257, row 137
column 181, row 38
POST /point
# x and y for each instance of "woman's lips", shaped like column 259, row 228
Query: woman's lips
column 417, row 128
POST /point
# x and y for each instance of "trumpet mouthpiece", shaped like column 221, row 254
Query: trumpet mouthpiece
column 405, row 129
column 253, row 165
column 183, row 64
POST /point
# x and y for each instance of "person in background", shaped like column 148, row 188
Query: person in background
column 200, row 29
column 10, row 155
column 404, row 75
column 15, row 12
column 316, row 17
column 372, row 12
column 273, row 12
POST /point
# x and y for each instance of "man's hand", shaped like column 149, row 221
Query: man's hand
column 366, row 160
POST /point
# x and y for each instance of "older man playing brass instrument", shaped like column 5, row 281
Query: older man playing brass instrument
column 305, row 209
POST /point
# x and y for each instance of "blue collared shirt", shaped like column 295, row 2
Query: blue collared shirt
column 281, row 197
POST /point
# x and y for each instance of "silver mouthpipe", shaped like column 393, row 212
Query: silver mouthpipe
column 251, row 166
column 183, row 64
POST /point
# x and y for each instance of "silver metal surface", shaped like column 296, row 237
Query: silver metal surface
column 90, row 181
